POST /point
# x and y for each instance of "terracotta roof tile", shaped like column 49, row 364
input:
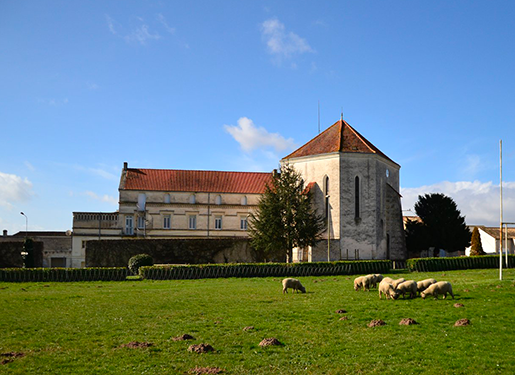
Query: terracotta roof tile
column 339, row 137
column 195, row 181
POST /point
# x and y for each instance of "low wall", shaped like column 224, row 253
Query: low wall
column 116, row 253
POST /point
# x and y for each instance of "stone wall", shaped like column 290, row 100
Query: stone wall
column 116, row 253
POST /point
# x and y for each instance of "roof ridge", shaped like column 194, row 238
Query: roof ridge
column 192, row 170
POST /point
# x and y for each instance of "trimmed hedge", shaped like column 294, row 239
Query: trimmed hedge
column 177, row 272
column 63, row 274
column 457, row 263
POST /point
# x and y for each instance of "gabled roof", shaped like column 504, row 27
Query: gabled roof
column 194, row 181
column 494, row 231
column 339, row 137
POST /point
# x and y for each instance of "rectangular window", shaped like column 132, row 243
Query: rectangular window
column 167, row 222
column 218, row 222
column 141, row 222
column 129, row 226
column 192, row 221
column 83, row 244
column 243, row 223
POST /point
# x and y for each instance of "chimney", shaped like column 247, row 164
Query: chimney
column 274, row 173
column 5, row 233
column 125, row 165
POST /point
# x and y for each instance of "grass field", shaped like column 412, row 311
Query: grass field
column 79, row 328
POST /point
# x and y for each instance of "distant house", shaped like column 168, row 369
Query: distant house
column 355, row 186
column 490, row 238
column 57, row 246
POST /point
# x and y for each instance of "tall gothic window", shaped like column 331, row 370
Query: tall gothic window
column 356, row 197
column 326, row 195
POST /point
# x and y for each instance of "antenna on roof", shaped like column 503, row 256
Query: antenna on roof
column 319, row 117
column 342, row 115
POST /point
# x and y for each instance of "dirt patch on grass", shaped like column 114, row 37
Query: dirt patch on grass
column 10, row 356
column 376, row 323
column 269, row 342
column 249, row 328
column 205, row 370
column 344, row 318
column 466, row 290
column 136, row 345
column 457, row 305
column 183, row 337
column 462, row 322
column 201, row 348
column 341, row 311
column 407, row 322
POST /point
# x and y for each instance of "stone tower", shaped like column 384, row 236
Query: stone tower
column 356, row 188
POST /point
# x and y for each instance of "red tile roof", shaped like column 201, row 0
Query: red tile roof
column 194, row 181
column 339, row 137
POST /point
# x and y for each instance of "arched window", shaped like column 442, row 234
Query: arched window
column 192, row 199
column 326, row 195
column 218, row 199
column 167, row 198
column 244, row 201
column 356, row 197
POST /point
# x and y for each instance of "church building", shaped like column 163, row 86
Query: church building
column 355, row 187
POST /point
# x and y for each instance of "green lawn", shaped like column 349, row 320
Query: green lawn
column 74, row 328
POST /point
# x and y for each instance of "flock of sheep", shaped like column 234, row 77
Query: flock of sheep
column 395, row 288
column 388, row 287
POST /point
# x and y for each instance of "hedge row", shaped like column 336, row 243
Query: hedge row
column 63, row 274
column 457, row 263
column 177, row 272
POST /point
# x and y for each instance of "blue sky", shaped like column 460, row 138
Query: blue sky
column 235, row 85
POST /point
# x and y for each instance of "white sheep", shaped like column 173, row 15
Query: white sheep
column 374, row 279
column 388, row 280
column 441, row 287
column 293, row 284
column 409, row 286
column 387, row 289
column 359, row 283
column 395, row 283
column 424, row 284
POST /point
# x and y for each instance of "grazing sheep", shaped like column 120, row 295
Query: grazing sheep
column 409, row 286
column 359, row 283
column 387, row 289
column 293, row 284
column 441, row 287
column 388, row 280
column 374, row 279
column 424, row 284
column 397, row 282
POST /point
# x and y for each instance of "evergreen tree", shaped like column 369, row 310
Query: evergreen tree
column 444, row 227
column 285, row 217
column 476, row 246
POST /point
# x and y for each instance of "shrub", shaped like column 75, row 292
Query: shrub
column 62, row 274
column 138, row 261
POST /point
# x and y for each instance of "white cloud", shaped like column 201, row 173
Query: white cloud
column 281, row 43
column 141, row 35
column 163, row 22
column 251, row 137
column 477, row 201
column 92, row 86
column 14, row 189
column 111, row 24
column 104, row 198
